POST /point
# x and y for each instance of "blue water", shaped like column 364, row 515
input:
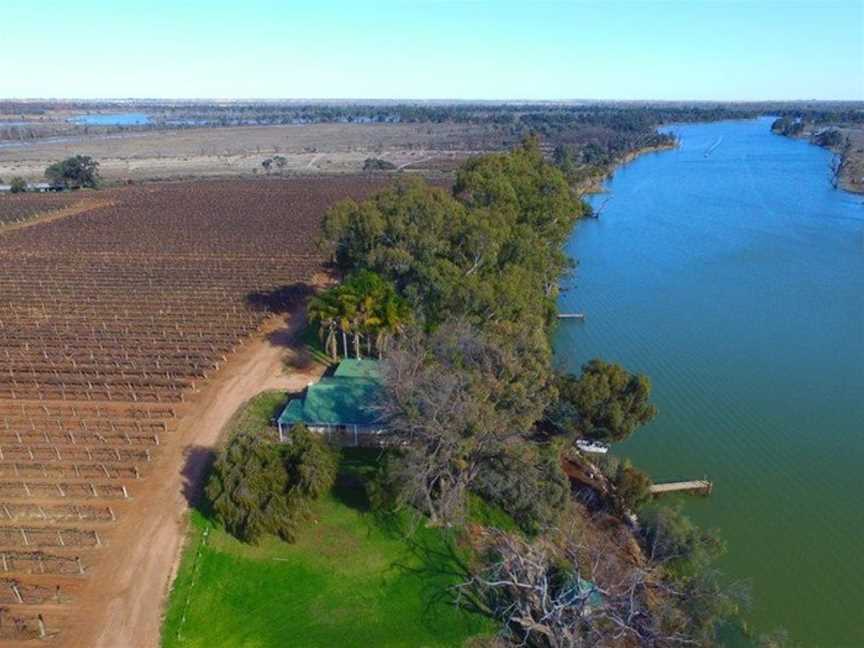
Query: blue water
column 113, row 119
column 735, row 280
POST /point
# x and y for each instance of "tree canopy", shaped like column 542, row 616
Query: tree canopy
column 259, row 487
column 18, row 185
column 74, row 172
column 528, row 483
column 458, row 398
column 365, row 308
column 606, row 402
column 490, row 250
column 467, row 384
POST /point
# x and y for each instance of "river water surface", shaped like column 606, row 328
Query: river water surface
column 732, row 273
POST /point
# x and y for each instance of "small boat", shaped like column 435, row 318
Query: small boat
column 713, row 147
column 592, row 446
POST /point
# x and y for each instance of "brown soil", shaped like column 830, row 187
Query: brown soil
column 123, row 600
column 114, row 323
column 87, row 204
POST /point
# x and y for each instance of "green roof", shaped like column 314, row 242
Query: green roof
column 293, row 413
column 358, row 369
column 346, row 398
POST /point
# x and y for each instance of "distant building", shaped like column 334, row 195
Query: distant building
column 38, row 187
column 342, row 407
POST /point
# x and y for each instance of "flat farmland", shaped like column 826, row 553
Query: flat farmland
column 200, row 152
column 18, row 208
column 21, row 209
column 114, row 321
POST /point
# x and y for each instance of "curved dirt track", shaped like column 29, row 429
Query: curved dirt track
column 129, row 334
column 124, row 600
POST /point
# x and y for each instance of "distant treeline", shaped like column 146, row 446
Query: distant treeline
column 617, row 115
column 586, row 139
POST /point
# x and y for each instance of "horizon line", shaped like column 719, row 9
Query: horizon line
column 418, row 100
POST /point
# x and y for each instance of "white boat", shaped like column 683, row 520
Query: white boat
column 592, row 446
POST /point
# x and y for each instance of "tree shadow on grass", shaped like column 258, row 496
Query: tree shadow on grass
column 433, row 559
column 357, row 468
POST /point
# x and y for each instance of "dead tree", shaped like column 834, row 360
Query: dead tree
column 572, row 595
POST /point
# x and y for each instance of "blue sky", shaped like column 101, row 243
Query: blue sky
column 694, row 49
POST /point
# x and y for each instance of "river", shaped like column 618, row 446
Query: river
column 732, row 273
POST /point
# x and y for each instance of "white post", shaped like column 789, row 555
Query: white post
column 281, row 437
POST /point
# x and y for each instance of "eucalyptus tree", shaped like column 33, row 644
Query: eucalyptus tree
column 490, row 250
column 605, row 402
column 457, row 399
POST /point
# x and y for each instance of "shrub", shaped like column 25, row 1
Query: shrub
column 529, row 486
column 74, row 172
column 673, row 540
column 829, row 138
column 377, row 164
column 18, row 185
column 632, row 486
column 259, row 487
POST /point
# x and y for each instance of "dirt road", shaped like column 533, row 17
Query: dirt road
column 122, row 605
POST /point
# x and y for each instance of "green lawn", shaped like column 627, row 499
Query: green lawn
column 351, row 579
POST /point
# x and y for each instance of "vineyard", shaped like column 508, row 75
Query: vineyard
column 111, row 320
column 18, row 208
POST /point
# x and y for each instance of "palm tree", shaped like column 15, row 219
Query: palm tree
column 365, row 305
column 394, row 314
column 324, row 310
column 366, row 288
column 347, row 313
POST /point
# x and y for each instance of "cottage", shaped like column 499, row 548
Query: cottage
column 342, row 407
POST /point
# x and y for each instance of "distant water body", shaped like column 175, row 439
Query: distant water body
column 732, row 273
column 112, row 119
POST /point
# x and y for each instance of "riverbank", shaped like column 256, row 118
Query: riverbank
column 732, row 367
column 851, row 172
column 595, row 184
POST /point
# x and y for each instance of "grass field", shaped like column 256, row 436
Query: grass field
column 351, row 579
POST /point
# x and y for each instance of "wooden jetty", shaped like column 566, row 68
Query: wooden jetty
column 578, row 316
column 698, row 486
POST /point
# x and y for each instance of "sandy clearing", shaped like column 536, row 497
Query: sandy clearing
column 123, row 601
